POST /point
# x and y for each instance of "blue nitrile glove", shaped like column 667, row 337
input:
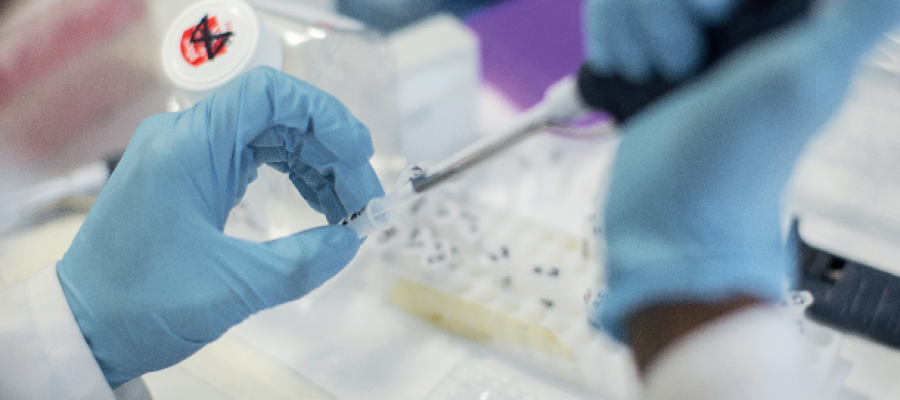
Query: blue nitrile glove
column 637, row 38
column 693, row 208
column 151, row 278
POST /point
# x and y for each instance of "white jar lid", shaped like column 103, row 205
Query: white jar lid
column 215, row 41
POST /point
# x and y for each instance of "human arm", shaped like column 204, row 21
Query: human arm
column 151, row 278
column 693, row 218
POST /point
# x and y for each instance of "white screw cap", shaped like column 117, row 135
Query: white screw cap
column 215, row 41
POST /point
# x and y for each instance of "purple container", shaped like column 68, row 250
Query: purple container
column 527, row 45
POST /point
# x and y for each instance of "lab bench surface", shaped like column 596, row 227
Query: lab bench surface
column 372, row 350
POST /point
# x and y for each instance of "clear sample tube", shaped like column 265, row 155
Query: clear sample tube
column 370, row 219
column 378, row 215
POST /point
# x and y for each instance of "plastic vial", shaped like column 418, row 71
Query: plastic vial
column 215, row 41
column 372, row 218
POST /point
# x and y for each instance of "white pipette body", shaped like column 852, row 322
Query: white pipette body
column 561, row 104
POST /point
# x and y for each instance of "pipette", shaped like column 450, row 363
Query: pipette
column 571, row 98
column 561, row 104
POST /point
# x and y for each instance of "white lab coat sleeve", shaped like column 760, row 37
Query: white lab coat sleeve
column 43, row 354
column 754, row 354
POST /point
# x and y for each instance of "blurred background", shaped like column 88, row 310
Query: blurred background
column 78, row 76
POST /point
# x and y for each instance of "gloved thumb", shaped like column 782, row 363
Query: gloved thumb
column 293, row 266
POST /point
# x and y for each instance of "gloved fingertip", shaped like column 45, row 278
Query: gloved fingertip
column 300, row 263
column 340, row 239
column 329, row 240
column 340, row 236
column 358, row 241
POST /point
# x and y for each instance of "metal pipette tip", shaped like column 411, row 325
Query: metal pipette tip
column 561, row 104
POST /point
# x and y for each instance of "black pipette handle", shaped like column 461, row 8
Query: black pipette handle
column 623, row 99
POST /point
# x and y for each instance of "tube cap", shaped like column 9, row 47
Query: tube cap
column 215, row 41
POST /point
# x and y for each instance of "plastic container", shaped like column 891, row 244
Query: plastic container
column 333, row 53
column 214, row 41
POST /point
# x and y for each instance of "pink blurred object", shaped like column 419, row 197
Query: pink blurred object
column 66, row 64
column 52, row 32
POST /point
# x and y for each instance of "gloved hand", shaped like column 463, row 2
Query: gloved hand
column 637, row 38
column 693, row 208
column 151, row 278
